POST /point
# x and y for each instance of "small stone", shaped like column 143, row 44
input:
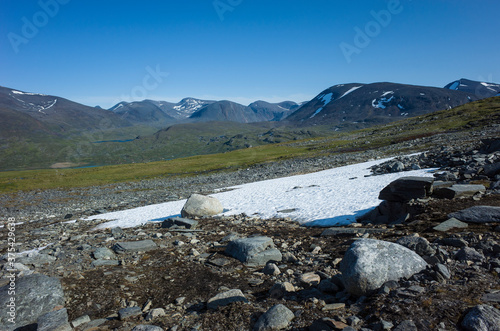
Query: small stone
column 277, row 317
column 271, row 269
column 443, row 270
column 469, row 254
column 80, row 321
column 279, row 290
column 104, row 253
column 254, row 251
column 334, row 306
column 125, row 313
column 154, row 313
column 327, row 286
column 310, row 279
column 226, row 298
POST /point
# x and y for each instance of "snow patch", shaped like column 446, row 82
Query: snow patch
column 387, row 93
column 381, row 103
column 326, row 198
column 350, row 91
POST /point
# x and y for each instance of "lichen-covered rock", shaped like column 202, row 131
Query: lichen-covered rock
column 369, row 263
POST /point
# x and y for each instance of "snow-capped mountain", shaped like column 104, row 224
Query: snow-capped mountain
column 367, row 104
column 480, row 89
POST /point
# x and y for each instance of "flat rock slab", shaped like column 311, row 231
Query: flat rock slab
column 478, row 214
column 254, row 251
column 226, row 298
column 35, row 295
column 369, row 263
column 452, row 223
column 459, row 190
column 134, row 246
column 125, row 313
column 178, row 221
column 407, row 188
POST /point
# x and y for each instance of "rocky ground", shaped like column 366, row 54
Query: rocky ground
column 174, row 280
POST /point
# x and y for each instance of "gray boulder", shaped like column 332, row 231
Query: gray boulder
column 407, row 188
column 478, row 214
column 254, row 251
column 226, row 298
column 482, row 318
column 278, row 317
column 469, row 254
column 36, row 295
column 369, row 263
column 199, row 206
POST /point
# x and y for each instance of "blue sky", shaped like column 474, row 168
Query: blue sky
column 101, row 52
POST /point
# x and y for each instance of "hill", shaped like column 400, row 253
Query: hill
column 480, row 89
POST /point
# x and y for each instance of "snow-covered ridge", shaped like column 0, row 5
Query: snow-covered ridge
column 326, row 198
column 25, row 93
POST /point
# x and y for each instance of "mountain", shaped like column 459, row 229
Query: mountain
column 227, row 111
column 146, row 112
column 480, row 89
column 273, row 111
column 362, row 105
column 28, row 113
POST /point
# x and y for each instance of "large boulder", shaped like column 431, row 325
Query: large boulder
column 369, row 263
column 254, row 251
column 35, row 295
column 407, row 188
column 199, row 206
column 478, row 214
column 459, row 191
column 482, row 318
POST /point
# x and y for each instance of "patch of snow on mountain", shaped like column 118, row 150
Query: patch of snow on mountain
column 387, row 93
column 327, row 98
column 25, row 93
column 317, row 112
column 326, row 198
column 350, row 91
column 380, row 103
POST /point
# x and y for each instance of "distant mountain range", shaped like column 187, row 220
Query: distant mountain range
column 196, row 110
column 342, row 106
column 41, row 131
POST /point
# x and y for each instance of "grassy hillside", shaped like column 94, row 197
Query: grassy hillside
column 467, row 117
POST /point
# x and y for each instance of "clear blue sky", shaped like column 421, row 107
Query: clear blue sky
column 99, row 52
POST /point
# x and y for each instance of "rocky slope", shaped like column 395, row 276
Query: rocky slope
column 181, row 275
